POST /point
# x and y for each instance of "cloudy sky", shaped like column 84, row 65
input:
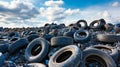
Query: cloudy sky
column 32, row 13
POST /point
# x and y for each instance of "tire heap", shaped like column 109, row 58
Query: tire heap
column 75, row 45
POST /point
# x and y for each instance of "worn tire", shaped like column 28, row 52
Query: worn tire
column 19, row 44
column 108, row 38
column 82, row 21
column 13, row 34
column 113, row 52
column 37, row 50
column 68, row 56
column 61, row 41
column 32, row 37
column 79, row 33
column 95, row 55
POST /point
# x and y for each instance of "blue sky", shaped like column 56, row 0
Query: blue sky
column 32, row 13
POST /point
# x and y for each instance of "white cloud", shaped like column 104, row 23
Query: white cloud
column 115, row 4
column 54, row 12
column 54, row 3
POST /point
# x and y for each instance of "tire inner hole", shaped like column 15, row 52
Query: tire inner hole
column 95, row 61
column 64, row 56
column 36, row 49
column 82, row 34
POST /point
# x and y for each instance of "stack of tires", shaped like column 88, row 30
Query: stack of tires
column 53, row 45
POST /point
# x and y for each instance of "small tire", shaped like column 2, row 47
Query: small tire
column 82, row 21
column 68, row 56
column 109, row 27
column 37, row 50
column 61, row 41
column 78, row 36
column 117, row 28
column 95, row 56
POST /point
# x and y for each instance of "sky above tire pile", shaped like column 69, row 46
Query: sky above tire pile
column 35, row 13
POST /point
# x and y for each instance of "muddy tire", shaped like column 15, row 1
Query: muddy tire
column 68, row 56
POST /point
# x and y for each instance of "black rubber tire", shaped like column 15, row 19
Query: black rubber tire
column 108, row 38
column 82, row 21
column 95, row 55
column 32, row 37
column 4, row 48
column 19, row 44
column 109, row 27
column 35, row 65
column 69, row 34
column 113, row 52
column 47, row 36
column 68, row 56
column 33, row 55
column 100, row 25
column 13, row 34
column 117, row 28
column 80, row 39
column 61, row 41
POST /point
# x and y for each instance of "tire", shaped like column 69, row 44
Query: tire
column 108, row 38
column 100, row 25
column 32, row 37
column 69, row 34
column 117, row 28
column 13, row 34
column 4, row 48
column 79, row 33
column 68, row 56
column 35, row 65
column 33, row 55
column 61, row 41
column 93, row 56
column 82, row 21
column 19, row 44
column 47, row 36
column 109, row 27
column 113, row 52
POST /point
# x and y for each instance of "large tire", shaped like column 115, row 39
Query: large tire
column 108, row 49
column 108, row 38
column 82, row 21
column 61, row 41
column 35, row 65
column 78, row 36
column 19, row 44
column 37, row 50
column 97, row 58
column 68, row 56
